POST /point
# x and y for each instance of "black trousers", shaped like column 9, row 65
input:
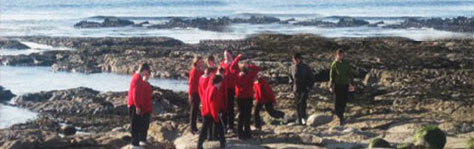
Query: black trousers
column 270, row 110
column 300, row 101
column 229, row 115
column 245, row 109
column 208, row 121
column 139, row 124
column 194, row 111
column 341, row 93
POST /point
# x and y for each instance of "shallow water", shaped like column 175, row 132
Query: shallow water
column 57, row 18
column 21, row 80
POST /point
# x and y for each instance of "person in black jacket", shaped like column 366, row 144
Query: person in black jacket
column 301, row 80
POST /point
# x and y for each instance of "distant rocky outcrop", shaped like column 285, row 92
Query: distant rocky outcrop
column 215, row 24
column 108, row 22
column 456, row 24
column 211, row 24
column 343, row 22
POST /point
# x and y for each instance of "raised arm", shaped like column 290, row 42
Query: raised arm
column 234, row 66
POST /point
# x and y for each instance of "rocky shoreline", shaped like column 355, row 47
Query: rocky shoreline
column 220, row 24
column 401, row 85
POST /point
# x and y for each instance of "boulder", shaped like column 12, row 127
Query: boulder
column 116, row 22
column 310, row 139
column 88, row 24
column 319, row 119
column 379, row 143
column 163, row 131
column 5, row 95
column 108, row 22
column 68, row 130
column 430, row 136
column 261, row 19
column 351, row 22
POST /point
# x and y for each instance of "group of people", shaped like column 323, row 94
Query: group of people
column 213, row 90
column 217, row 88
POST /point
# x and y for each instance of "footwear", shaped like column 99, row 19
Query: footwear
column 135, row 147
column 143, row 143
column 194, row 131
column 303, row 121
column 286, row 119
column 342, row 122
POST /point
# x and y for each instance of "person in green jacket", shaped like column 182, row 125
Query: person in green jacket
column 341, row 81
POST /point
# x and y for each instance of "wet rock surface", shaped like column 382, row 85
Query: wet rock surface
column 5, row 94
column 12, row 44
column 84, row 118
column 401, row 86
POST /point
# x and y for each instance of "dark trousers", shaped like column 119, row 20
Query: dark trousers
column 245, row 109
column 300, row 101
column 270, row 110
column 140, row 125
column 229, row 115
column 208, row 121
column 194, row 111
column 341, row 93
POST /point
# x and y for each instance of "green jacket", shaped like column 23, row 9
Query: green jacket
column 340, row 73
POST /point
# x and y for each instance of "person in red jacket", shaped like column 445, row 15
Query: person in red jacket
column 211, row 111
column 230, row 79
column 193, row 94
column 204, row 82
column 246, row 74
column 264, row 96
column 140, row 105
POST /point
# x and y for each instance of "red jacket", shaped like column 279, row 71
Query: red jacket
column 203, row 84
column 263, row 92
column 211, row 104
column 139, row 94
column 147, row 96
column 193, row 81
column 229, row 77
column 244, row 83
column 222, row 103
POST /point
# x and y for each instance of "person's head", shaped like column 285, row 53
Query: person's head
column 144, row 70
column 207, row 70
column 220, row 71
column 228, row 55
column 210, row 61
column 340, row 54
column 197, row 62
column 243, row 65
column 296, row 58
column 216, row 81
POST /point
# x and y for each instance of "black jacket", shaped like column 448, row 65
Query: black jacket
column 301, row 77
